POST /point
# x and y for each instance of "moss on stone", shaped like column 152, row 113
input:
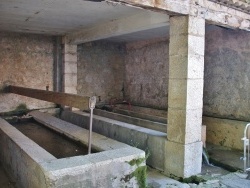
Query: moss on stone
column 192, row 179
column 20, row 110
column 136, row 161
column 140, row 174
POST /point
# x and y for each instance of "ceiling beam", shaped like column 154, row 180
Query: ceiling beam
column 226, row 15
column 139, row 22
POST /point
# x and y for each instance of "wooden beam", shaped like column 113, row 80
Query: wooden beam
column 131, row 24
column 66, row 99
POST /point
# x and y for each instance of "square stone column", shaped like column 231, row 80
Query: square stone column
column 69, row 56
column 185, row 96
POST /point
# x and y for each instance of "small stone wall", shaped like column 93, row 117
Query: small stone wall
column 25, row 60
column 146, row 70
column 100, row 70
column 227, row 78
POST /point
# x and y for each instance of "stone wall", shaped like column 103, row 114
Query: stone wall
column 25, row 60
column 146, row 80
column 227, row 78
column 100, row 70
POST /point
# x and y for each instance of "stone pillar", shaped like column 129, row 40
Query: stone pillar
column 185, row 96
column 70, row 67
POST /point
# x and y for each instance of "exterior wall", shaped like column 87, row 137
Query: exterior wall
column 25, row 60
column 227, row 78
column 101, row 70
column 146, row 81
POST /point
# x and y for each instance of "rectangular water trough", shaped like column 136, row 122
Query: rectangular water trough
column 115, row 165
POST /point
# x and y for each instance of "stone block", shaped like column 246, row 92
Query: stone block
column 196, row 26
column 70, row 80
column 195, row 66
column 185, row 94
column 196, row 45
column 225, row 132
column 70, row 48
column 72, row 57
column 178, row 25
column 178, row 45
column 186, row 66
column 177, row 91
column 183, row 160
column 70, row 67
column 156, row 151
column 194, row 94
column 184, row 126
column 72, row 90
column 178, row 66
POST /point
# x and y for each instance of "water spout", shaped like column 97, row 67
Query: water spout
column 205, row 157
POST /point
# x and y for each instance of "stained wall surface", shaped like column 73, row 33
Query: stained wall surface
column 100, row 70
column 227, row 78
column 146, row 73
column 25, row 60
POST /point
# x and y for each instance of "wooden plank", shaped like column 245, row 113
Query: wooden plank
column 72, row 100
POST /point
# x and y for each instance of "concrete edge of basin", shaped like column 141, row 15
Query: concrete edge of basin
column 151, row 141
column 111, row 168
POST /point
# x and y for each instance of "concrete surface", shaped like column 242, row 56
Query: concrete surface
column 5, row 181
column 99, row 143
column 142, row 109
column 26, row 60
column 101, row 70
column 31, row 166
column 69, row 61
column 61, row 16
column 226, row 88
column 228, row 158
column 185, row 96
column 140, row 115
column 132, row 120
column 146, row 73
column 225, row 132
column 215, row 177
column 152, row 142
column 20, row 157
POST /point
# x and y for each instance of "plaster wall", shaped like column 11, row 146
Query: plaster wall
column 101, row 70
column 227, row 67
column 146, row 70
column 25, row 60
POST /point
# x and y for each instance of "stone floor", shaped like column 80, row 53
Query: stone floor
column 214, row 176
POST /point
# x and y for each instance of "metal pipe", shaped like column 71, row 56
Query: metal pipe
column 92, row 103
column 246, row 145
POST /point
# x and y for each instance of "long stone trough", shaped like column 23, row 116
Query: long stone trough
column 115, row 165
column 126, row 129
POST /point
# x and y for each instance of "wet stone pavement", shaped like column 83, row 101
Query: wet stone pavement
column 215, row 177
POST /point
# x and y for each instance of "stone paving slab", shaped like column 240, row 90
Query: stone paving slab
column 216, row 178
